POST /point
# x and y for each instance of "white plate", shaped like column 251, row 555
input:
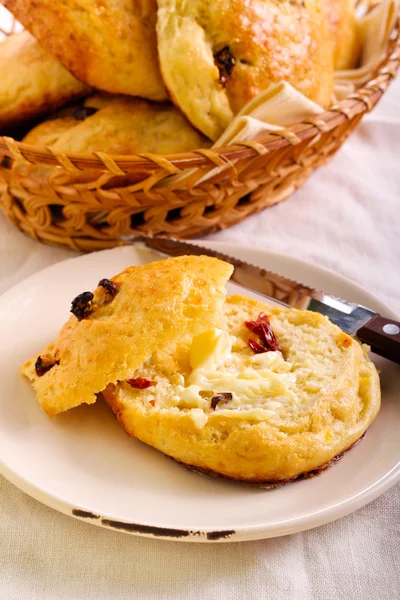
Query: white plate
column 83, row 464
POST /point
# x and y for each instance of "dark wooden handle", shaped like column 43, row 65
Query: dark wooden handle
column 383, row 335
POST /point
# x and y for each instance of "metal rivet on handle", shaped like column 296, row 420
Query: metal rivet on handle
column 391, row 329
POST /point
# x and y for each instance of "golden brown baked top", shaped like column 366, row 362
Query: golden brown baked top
column 48, row 132
column 119, row 125
column 32, row 82
column 216, row 56
column 113, row 332
column 108, row 44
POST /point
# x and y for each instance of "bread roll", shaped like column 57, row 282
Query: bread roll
column 216, row 56
column 31, row 81
column 120, row 125
column 110, row 45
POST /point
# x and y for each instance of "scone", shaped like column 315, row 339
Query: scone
column 227, row 387
column 31, row 81
column 110, row 45
column 48, row 132
column 116, row 329
column 266, row 397
column 119, row 125
column 216, row 56
column 343, row 25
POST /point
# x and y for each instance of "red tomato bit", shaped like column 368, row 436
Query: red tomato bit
column 262, row 328
column 140, row 383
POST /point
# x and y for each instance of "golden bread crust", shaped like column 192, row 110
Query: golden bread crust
column 108, row 44
column 121, row 125
column 32, row 82
column 156, row 305
column 338, row 397
column 343, row 25
column 272, row 484
column 216, row 56
column 49, row 132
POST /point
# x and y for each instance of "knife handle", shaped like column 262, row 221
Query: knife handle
column 383, row 335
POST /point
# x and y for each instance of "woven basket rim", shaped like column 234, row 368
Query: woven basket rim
column 357, row 103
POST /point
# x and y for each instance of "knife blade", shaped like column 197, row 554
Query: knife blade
column 380, row 333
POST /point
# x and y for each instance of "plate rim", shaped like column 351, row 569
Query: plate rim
column 251, row 532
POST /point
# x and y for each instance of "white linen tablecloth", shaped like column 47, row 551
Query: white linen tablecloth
column 347, row 217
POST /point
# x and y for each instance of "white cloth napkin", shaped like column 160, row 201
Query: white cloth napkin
column 274, row 109
column 271, row 111
column 374, row 31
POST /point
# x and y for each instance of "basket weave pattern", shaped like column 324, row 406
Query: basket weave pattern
column 92, row 201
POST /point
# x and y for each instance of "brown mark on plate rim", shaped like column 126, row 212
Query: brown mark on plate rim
column 84, row 514
column 163, row 532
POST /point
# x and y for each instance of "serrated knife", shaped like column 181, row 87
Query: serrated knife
column 380, row 333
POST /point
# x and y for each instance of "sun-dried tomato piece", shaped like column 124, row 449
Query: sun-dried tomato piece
column 81, row 306
column 256, row 347
column 140, row 383
column 221, row 397
column 253, row 326
column 256, row 326
column 225, row 62
column 109, row 286
column 262, row 328
column 268, row 338
column 41, row 367
column 152, row 402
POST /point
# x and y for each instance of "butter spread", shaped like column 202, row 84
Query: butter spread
column 258, row 383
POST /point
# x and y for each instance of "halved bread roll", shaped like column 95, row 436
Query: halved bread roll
column 227, row 387
column 261, row 418
column 32, row 82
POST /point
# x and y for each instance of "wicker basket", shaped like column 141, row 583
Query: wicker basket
column 95, row 200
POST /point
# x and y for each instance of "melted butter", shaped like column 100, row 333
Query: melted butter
column 199, row 417
column 259, row 383
column 210, row 349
